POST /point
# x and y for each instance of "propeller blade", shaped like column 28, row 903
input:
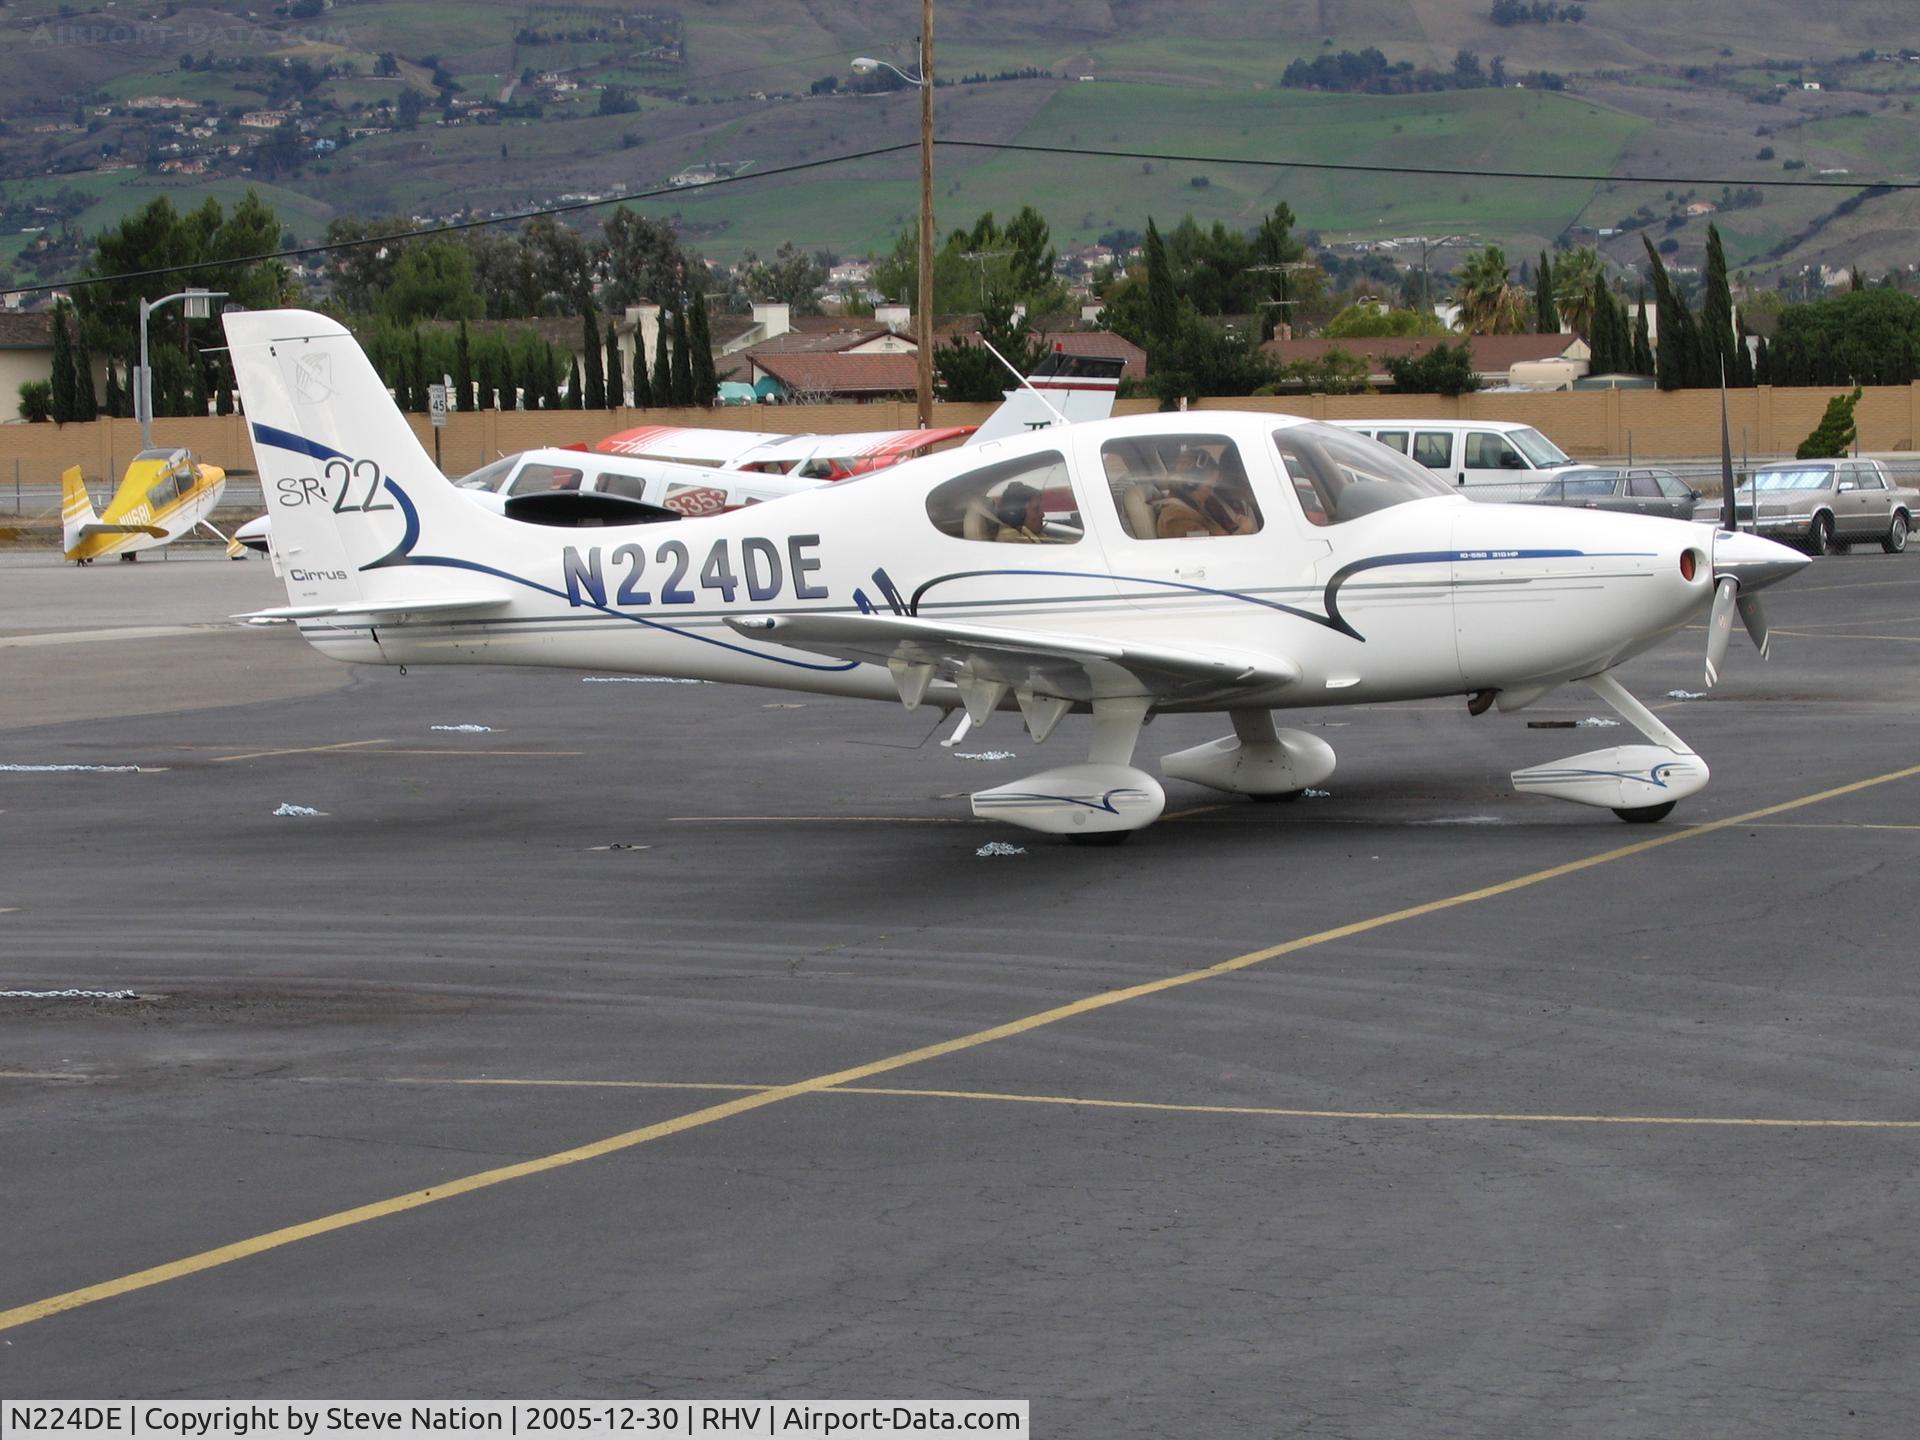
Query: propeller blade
column 1720, row 626
column 1755, row 620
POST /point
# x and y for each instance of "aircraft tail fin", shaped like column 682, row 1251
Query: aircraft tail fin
column 1064, row 389
column 346, row 480
column 76, row 509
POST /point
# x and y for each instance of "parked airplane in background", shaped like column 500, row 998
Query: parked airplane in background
column 1064, row 389
column 1210, row 561
column 164, row 494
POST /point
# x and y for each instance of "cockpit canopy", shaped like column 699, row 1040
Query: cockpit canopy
column 1340, row 476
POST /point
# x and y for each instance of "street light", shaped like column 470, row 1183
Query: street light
column 923, row 351
column 198, row 307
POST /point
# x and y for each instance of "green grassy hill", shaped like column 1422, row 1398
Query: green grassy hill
column 1711, row 88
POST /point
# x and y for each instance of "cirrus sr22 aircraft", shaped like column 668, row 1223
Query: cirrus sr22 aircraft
column 1205, row 561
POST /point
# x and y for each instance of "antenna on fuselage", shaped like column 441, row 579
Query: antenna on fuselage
column 1015, row 372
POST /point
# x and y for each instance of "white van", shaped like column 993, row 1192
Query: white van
column 1473, row 453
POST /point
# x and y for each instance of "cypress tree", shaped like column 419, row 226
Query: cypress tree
column 1742, row 375
column 1600, row 337
column 420, row 397
column 1162, row 307
column 682, row 360
column 113, row 401
column 509, row 382
column 202, row 392
column 706, row 384
column 223, row 387
column 642, row 387
column 1673, row 364
column 1546, row 315
column 1642, row 343
column 463, row 371
column 576, row 400
column 616, row 386
column 62, row 366
column 595, row 397
column 662, row 364
column 85, row 406
column 1763, row 363
column 550, row 387
column 1716, row 315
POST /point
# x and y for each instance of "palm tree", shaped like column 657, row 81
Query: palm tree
column 1573, row 288
column 1490, row 303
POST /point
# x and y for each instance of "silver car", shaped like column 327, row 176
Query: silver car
column 1827, row 505
column 1638, row 491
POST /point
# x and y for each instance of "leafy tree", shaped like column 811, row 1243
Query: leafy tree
column 561, row 262
column 643, row 259
column 1337, row 372
column 792, row 278
column 705, row 383
column 36, row 401
column 595, row 397
column 1366, row 322
column 62, row 379
column 431, row 282
column 966, row 371
column 1864, row 337
column 1546, row 318
column 1836, row 432
column 1203, row 358
column 1442, row 370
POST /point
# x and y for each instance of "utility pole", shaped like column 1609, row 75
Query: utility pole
column 923, row 352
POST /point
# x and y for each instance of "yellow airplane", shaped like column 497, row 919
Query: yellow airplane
column 165, row 494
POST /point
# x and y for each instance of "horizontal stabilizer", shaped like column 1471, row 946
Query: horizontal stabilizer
column 1039, row 662
column 98, row 528
column 436, row 605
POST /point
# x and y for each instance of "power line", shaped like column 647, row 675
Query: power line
column 1476, row 174
column 1077, row 152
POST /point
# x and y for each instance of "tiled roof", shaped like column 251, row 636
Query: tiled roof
column 834, row 374
column 1100, row 342
column 26, row 329
column 1492, row 354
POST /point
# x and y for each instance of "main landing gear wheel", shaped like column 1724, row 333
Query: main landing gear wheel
column 1100, row 839
column 1277, row 797
column 1895, row 540
column 1820, row 537
column 1646, row 814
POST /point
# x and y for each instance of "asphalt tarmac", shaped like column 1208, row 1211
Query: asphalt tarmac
column 666, row 1039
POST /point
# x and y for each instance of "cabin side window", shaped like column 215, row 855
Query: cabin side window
column 538, row 477
column 1026, row 501
column 1175, row 487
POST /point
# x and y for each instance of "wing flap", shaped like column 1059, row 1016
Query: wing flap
column 101, row 528
column 1037, row 662
column 432, row 605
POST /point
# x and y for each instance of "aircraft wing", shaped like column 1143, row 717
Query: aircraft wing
column 376, row 609
column 985, row 662
column 100, row 528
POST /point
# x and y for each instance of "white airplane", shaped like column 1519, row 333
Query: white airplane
column 1203, row 561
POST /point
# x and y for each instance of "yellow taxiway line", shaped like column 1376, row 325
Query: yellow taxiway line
column 832, row 1080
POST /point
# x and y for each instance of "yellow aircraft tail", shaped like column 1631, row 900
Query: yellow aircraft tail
column 76, row 508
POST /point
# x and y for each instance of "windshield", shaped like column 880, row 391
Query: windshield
column 1541, row 451
column 1340, row 476
column 487, row 477
column 1792, row 479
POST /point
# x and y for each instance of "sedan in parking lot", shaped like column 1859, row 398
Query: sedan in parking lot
column 1635, row 491
column 1825, row 505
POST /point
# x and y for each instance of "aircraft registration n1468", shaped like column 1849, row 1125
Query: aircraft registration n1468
column 1207, row 561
